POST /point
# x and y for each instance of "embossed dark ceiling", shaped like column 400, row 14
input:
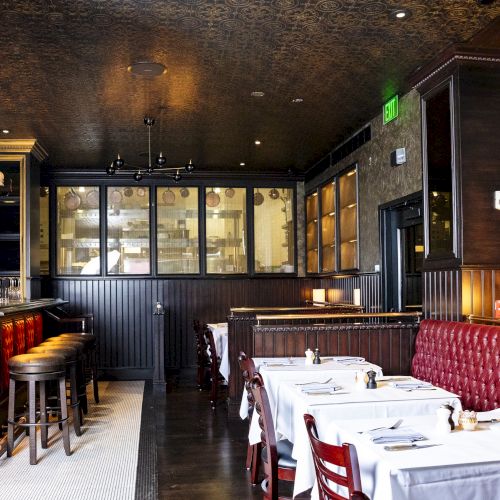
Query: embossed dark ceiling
column 64, row 80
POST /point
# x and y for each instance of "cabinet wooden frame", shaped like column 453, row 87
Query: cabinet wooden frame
column 321, row 213
column 451, row 259
column 56, row 179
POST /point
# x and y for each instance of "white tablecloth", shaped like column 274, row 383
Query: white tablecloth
column 385, row 401
column 299, row 372
column 466, row 466
column 219, row 331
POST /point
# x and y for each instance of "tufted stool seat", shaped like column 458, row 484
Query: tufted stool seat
column 71, row 357
column 80, row 368
column 90, row 342
column 36, row 368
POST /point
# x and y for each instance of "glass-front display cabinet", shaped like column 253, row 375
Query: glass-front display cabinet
column 77, row 236
column 226, row 234
column 332, row 224
column 274, row 233
column 177, row 233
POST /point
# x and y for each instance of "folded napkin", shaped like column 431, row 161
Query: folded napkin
column 348, row 359
column 416, row 384
column 400, row 435
column 320, row 388
column 486, row 416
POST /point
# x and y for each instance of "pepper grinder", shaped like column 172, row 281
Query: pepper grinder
column 317, row 359
column 371, row 384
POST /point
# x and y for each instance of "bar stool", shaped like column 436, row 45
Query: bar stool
column 91, row 361
column 80, row 367
column 70, row 355
column 33, row 368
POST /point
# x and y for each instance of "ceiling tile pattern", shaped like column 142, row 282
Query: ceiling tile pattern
column 64, row 76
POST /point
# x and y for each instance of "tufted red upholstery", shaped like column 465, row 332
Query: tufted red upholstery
column 19, row 337
column 7, row 351
column 38, row 319
column 29, row 325
column 461, row 358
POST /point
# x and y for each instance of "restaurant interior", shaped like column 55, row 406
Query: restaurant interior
column 249, row 249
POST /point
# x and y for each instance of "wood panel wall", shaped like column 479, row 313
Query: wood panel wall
column 123, row 310
column 453, row 294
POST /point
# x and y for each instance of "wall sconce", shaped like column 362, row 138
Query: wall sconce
column 356, row 297
column 318, row 296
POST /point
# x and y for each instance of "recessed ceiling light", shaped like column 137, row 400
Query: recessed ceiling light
column 147, row 68
column 297, row 100
column 257, row 93
column 400, row 14
column 5, row 131
column 257, row 142
column 242, row 163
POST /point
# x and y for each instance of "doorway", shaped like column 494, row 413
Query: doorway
column 402, row 244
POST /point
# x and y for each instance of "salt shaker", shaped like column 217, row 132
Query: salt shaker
column 317, row 359
column 309, row 357
column 360, row 380
column 443, row 419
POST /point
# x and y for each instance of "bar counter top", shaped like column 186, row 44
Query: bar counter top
column 30, row 305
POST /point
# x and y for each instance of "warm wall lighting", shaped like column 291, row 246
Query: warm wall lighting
column 319, row 295
column 335, row 295
column 356, row 297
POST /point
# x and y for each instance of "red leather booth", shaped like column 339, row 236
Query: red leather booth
column 462, row 358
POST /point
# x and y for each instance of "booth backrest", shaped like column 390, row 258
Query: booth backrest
column 462, row 358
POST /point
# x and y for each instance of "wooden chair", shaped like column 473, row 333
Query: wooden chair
column 247, row 367
column 203, row 360
column 65, row 322
column 276, row 456
column 216, row 378
column 341, row 456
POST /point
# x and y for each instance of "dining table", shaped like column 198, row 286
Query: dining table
column 219, row 331
column 347, row 402
column 446, row 466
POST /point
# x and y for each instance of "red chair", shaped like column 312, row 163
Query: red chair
column 276, row 456
column 247, row 367
column 341, row 456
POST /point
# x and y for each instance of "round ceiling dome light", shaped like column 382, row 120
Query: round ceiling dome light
column 5, row 131
column 257, row 93
column 400, row 14
column 147, row 68
column 297, row 100
column 257, row 142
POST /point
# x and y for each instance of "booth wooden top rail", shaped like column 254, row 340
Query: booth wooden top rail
column 415, row 315
column 291, row 309
column 472, row 318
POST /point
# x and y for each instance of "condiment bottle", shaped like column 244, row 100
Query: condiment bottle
column 317, row 359
column 443, row 419
column 309, row 357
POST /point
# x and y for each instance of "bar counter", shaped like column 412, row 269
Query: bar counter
column 16, row 307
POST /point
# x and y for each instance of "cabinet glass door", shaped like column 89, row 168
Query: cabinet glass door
column 328, row 228
column 348, row 208
column 128, row 230
column 274, row 230
column 78, row 230
column 177, row 230
column 226, row 234
column 312, row 232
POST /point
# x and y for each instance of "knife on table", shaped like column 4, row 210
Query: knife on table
column 408, row 446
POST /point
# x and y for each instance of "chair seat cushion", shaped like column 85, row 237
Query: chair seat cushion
column 284, row 449
column 90, row 340
column 36, row 363
column 79, row 346
column 70, row 353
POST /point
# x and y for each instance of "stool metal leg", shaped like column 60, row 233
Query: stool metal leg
column 44, row 430
column 94, row 377
column 32, row 415
column 10, row 416
column 64, row 415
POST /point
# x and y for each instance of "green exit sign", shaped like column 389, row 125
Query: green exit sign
column 391, row 109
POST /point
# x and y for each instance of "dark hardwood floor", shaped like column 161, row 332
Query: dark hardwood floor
column 201, row 454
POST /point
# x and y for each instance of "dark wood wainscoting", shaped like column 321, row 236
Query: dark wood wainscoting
column 452, row 294
column 125, row 325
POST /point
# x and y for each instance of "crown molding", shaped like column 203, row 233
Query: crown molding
column 31, row 146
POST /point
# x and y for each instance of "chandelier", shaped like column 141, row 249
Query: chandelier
column 120, row 165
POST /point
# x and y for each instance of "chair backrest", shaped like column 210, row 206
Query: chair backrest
column 209, row 340
column 268, row 435
column 341, row 456
column 247, row 367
